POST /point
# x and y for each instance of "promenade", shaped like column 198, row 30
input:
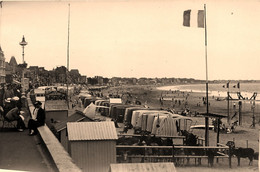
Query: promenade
column 22, row 152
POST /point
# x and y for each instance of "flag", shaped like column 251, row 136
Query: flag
column 201, row 18
column 186, row 18
column 189, row 16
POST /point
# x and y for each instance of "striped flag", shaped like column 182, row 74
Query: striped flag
column 190, row 17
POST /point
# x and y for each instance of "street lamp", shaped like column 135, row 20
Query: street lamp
column 23, row 43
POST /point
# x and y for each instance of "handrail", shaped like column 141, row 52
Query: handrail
column 163, row 136
column 177, row 147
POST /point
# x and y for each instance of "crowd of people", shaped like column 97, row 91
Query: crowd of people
column 13, row 109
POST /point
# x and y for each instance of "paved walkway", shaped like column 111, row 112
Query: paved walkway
column 19, row 151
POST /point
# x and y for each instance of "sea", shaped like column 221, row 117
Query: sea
column 246, row 90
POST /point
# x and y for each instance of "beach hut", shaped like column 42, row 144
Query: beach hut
column 118, row 112
column 103, row 111
column 142, row 167
column 168, row 124
column 60, row 128
column 92, row 145
column 140, row 116
column 56, row 111
column 129, row 112
column 87, row 101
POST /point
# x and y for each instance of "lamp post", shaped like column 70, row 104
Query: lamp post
column 23, row 43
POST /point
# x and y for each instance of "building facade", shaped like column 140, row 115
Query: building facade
column 2, row 67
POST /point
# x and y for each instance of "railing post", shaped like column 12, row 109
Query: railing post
column 144, row 154
column 229, row 155
column 173, row 158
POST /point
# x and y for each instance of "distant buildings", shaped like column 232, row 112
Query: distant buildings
column 10, row 72
column 2, row 66
column 38, row 76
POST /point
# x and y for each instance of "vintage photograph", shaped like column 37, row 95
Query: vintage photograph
column 129, row 85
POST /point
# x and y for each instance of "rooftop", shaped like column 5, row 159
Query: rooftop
column 91, row 131
column 75, row 117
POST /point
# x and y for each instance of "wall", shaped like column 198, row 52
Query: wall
column 93, row 156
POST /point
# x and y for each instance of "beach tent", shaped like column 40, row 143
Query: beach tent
column 137, row 116
column 151, row 118
column 169, row 126
column 149, row 122
column 156, row 123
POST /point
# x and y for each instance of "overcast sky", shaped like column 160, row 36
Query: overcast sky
column 143, row 38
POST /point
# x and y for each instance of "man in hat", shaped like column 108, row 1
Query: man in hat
column 16, row 115
column 38, row 119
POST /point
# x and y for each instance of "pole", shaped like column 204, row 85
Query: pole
column 218, row 123
column 23, row 72
column 228, row 117
column 240, row 112
column 207, row 95
column 253, row 123
column 67, row 72
column 23, row 54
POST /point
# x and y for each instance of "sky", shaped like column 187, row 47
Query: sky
column 144, row 38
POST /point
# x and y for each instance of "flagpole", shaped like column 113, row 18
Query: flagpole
column 67, row 72
column 207, row 87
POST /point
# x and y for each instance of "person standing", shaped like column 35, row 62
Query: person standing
column 8, row 95
column 37, row 120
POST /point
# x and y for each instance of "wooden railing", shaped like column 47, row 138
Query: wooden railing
column 143, row 153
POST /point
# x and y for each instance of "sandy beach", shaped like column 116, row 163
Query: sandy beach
column 244, row 135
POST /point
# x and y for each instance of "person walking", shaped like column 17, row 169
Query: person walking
column 37, row 120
